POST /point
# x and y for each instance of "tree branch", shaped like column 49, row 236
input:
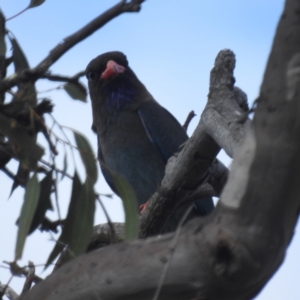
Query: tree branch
column 190, row 168
column 73, row 79
column 189, row 118
column 69, row 42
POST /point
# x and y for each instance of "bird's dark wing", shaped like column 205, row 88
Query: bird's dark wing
column 162, row 128
column 105, row 171
column 204, row 206
column 167, row 135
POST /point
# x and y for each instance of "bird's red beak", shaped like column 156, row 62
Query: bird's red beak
column 112, row 68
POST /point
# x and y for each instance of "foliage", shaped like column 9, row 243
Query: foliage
column 22, row 123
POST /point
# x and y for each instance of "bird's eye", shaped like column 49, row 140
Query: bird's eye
column 91, row 75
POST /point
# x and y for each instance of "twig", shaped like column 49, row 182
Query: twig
column 189, row 118
column 48, row 225
column 69, row 42
column 19, row 13
column 55, row 169
column 9, row 173
column 56, row 200
column 6, row 290
column 73, row 79
column 109, row 222
column 173, row 248
column 16, row 270
column 29, row 277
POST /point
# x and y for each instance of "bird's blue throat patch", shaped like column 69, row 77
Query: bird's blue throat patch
column 120, row 97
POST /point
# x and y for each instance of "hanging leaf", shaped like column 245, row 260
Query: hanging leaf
column 78, row 227
column 65, row 167
column 26, row 91
column 31, row 197
column 76, row 189
column 34, row 3
column 87, row 156
column 21, row 177
column 82, row 222
column 129, row 201
column 2, row 34
column 76, row 91
column 44, row 202
column 19, row 58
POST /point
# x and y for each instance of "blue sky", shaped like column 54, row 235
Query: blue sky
column 171, row 46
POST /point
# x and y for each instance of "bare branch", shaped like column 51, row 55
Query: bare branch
column 185, row 173
column 8, row 292
column 29, row 278
column 109, row 222
column 189, row 118
column 73, row 79
column 69, row 42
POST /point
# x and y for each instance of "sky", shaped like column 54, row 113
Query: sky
column 171, row 46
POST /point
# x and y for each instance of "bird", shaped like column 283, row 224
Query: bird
column 136, row 135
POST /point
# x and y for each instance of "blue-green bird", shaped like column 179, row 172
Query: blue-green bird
column 136, row 135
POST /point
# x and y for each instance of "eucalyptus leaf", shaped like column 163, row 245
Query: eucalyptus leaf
column 21, row 177
column 2, row 34
column 26, row 91
column 65, row 167
column 34, row 3
column 19, row 58
column 76, row 91
column 78, row 227
column 67, row 229
column 83, row 220
column 44, row 202
column 129, row 201
column 30, row 203
column 87, row 156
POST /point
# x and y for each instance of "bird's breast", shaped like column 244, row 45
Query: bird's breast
column 128, row 151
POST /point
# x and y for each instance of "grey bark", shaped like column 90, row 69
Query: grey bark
column 187, row 173
column 232, row 253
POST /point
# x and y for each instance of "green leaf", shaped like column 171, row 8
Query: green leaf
column 19, row 58
column 130, row 205
column 76, row 91
column 76, row 189
column 87, row 156
column 21, row 177
column 78, row 227
column 2, row 34
column 44, row 202
column 26, row 91
column 65, row 167
column 31, row 197
column 83, row 219
column 24, row 144
column 34, row 3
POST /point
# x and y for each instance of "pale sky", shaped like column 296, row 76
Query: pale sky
column 171, row 46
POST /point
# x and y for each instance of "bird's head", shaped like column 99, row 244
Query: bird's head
column 112, row 84
column 106, row 67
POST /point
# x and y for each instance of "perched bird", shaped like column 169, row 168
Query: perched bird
column 136, row 135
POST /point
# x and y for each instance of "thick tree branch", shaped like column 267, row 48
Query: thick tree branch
column 69, row 42
column 225, row 117
column 190, row 169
